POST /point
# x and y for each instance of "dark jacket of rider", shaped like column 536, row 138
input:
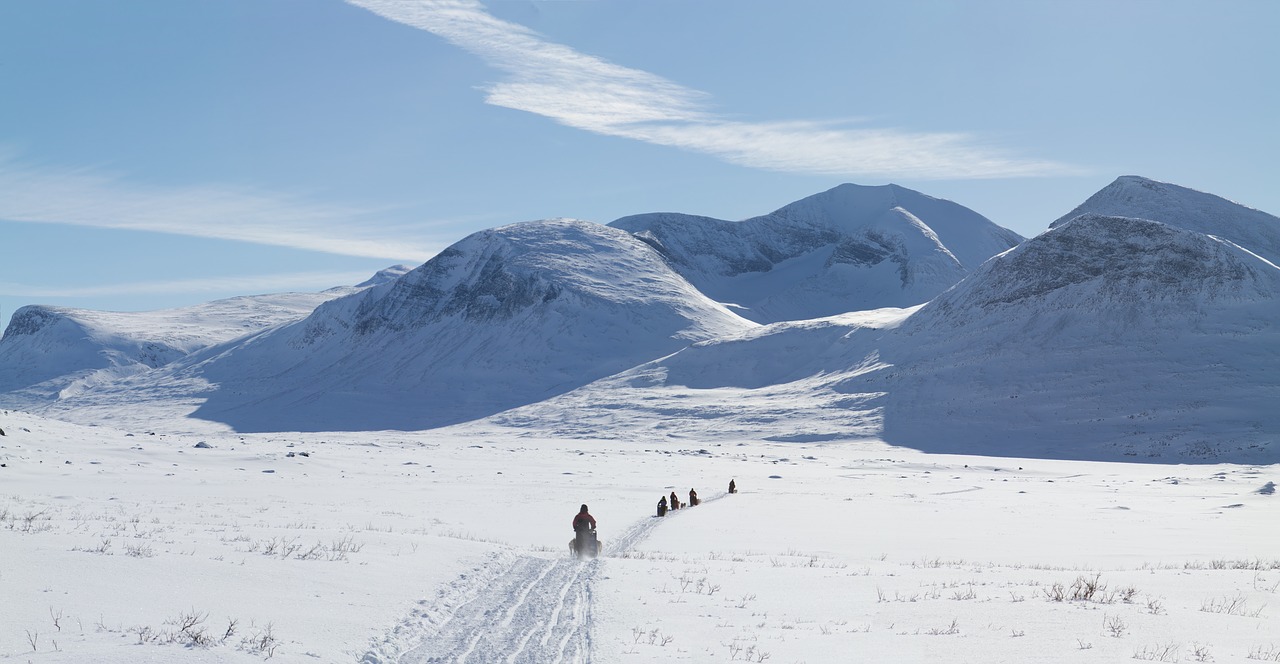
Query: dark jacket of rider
column 583, row 521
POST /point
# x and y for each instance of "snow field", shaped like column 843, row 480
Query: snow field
column 451, row 546
column 927, row 573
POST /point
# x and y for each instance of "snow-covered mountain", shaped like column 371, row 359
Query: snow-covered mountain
column 49, row 353
column 1104, row 333
column 851, row 248
column 1109, row 335
column 1104, row 337
column 1134, row 196
column 504, row 317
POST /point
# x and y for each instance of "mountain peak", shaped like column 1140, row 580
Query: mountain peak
column 851, row 205
column 1182, row 207
column 849, row 248
column 1104, row 332
column 504, row 317
column 385, row 275
column 1095, row 262
column 1139, row 181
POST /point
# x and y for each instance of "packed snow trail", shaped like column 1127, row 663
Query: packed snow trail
column 518, row 609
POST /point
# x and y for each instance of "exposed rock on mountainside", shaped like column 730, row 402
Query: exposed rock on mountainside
column 1134, row 196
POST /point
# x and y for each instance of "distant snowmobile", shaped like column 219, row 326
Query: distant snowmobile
column 584, row 543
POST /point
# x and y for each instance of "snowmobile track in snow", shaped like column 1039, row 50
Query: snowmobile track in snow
column 518, row 609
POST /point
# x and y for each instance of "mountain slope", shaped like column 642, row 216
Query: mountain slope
column 1103, row 335
column 53, row 352
column 1134, row 196
column 1107, row 337
column 504, row 317
column 776, row 382
column 1103, row 338
column 850, row 248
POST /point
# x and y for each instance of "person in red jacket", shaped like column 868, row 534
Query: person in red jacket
column 583, row 520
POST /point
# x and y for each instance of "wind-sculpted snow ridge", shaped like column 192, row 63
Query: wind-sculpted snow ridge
column 503, row 318
column 516, row 608
column 1134, row 196
column 850, row 248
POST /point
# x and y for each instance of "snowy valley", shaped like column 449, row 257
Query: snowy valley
column 951, row 443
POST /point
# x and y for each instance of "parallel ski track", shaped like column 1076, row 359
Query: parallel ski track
column 518, row 609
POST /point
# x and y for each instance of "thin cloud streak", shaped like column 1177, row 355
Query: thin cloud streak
column 588, row 93
column 266, row 283
column 84, row 197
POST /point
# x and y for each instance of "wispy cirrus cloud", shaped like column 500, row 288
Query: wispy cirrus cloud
column 87, row 197
column 592, row 94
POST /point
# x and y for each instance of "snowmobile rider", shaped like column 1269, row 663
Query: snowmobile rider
column 583, row 521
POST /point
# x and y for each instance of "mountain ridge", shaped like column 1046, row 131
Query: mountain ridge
column 1110, row 335
column 1136, row 196
column 849, row 248
column 1104, row 337
column 51, row 351
column 500, row 318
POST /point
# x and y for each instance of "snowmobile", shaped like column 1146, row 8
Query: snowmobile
column 584, row 544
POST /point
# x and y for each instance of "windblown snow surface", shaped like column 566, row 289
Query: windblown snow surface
column 451, row 546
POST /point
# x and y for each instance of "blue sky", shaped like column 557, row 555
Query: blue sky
column 158, row 153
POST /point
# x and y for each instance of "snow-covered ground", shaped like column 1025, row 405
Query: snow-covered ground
column 583, row 368
column 450, row 545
